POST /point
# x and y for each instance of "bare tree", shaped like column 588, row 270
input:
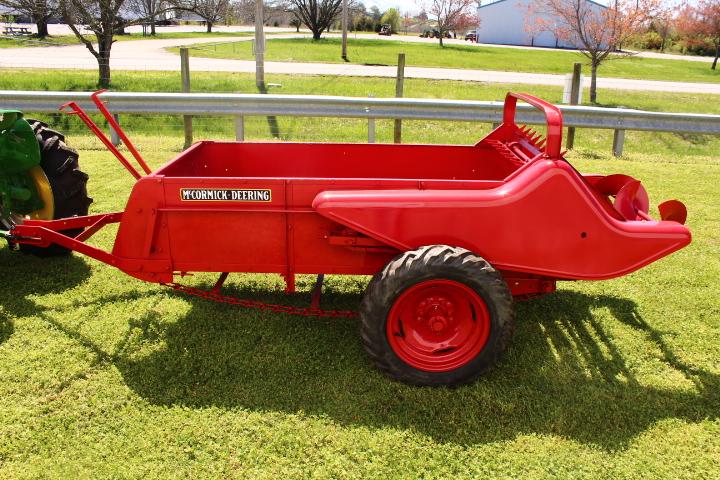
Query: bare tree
column 102, row 18
column 245, row 10
column 212, row 11
column 317, row 15
column 148, row 10
column 596, row 31
column 39, row 10
column 449, row 14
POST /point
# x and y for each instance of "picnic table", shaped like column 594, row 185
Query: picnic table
column 16, row 31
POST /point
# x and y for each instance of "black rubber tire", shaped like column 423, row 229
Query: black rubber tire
column 43, row 132
column 427, row 263
column 67, row 181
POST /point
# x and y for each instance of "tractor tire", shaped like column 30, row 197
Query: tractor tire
column 67, row 182
column 438, row 315
column 43, row 132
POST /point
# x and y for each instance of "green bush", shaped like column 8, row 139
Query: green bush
column 392, row 18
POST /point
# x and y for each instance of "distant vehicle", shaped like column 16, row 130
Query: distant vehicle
column 433, row 34
column 166, row 22
column 472, row 36
column 385, row 29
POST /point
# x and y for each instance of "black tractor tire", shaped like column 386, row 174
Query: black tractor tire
column 436, row 263
column 43, row 132
column 67, row 182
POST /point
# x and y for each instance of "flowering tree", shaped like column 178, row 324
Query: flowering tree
column 596, row 31
column 407, row 21
column 702, row 20
column 450, row 15
column 663, row 24
column 466, row 21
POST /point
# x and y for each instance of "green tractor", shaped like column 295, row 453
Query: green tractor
column 39, row 177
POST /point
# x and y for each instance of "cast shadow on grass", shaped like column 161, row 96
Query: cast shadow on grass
column 565, row 374
column 22, row 275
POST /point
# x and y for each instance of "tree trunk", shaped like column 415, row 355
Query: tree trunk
column 717, row 54
column 42, row 28
column 297, row 28
column 152, row 25
column 209, row 26
column 593, row 82
column 316, row 34
column 440, row 37
column 103, row 59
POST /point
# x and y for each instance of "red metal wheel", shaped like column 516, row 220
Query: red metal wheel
column 438, row 325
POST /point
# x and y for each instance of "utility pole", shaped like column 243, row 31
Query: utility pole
column 259, row 46
column 344, row 29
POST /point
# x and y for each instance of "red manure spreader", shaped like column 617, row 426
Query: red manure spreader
column 451, row 235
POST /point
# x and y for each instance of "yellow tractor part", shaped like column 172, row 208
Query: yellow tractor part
column 42, row 185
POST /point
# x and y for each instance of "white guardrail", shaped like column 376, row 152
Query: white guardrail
column 240, row 105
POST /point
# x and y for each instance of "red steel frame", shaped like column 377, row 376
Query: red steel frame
column 350, row 208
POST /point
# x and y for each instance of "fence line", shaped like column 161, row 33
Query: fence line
column 618, row 119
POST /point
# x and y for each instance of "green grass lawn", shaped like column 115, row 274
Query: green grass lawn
column 384, row 52
column 104, row 376
column 55, row 40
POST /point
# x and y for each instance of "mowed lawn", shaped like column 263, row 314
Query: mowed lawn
column 385, row 52
column 104, row 376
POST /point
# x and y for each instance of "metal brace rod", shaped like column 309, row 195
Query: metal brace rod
column 119, row 131
column 74, row 109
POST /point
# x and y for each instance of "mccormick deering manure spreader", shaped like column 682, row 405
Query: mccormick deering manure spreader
column 451, row 234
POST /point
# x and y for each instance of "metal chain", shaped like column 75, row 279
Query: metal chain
column 254, row 304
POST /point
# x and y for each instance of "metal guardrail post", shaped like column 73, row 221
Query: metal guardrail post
column 618, row 143
column 114, row 137
column 240, row 128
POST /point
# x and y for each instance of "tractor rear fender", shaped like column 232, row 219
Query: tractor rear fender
column 19, row 155
column 547, row 220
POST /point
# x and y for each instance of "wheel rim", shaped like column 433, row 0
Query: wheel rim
column 438, row 325
column 47, row 212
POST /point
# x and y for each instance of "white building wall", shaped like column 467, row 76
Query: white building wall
column 505, row 23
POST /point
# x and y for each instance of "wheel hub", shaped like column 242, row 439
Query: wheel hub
column 436, row 312
column 438, row 325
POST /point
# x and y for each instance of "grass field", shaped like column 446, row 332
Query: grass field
column 54, row 40
column 384, row 52
column 104, row 376
column 108, row 377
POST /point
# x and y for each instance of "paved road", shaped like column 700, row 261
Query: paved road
column 151, row 55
